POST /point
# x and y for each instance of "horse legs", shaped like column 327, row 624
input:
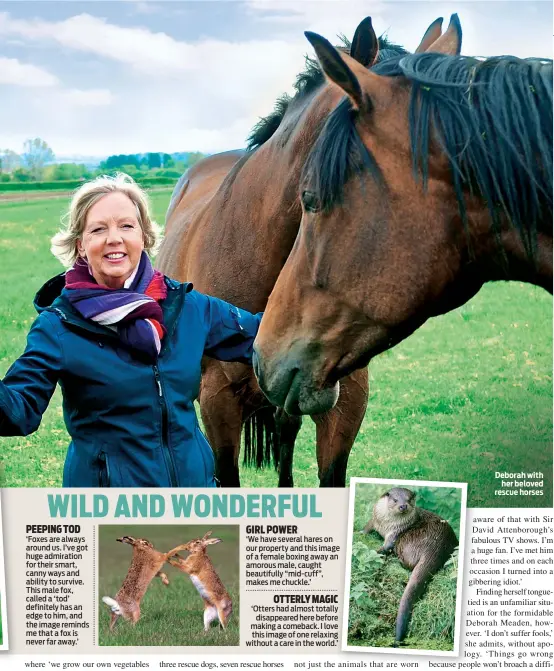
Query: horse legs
column 221, row 411
column 288, row 427
column 228, row 394
column 337, row 429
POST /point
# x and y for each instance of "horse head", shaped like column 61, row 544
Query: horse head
column 417, row 191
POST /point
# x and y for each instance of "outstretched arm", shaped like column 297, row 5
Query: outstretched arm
column 30, row 382
column 230, row 330
column 173, row 552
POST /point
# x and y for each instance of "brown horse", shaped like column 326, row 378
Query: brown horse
column 232, row 222
column 431, row 177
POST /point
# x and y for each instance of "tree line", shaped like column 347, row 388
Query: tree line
column 36, row 163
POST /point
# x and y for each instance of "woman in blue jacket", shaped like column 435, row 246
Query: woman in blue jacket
column 125, row 344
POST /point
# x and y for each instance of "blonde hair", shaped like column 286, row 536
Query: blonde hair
column 64, row 243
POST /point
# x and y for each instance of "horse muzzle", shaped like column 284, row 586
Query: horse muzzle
column 288, row 383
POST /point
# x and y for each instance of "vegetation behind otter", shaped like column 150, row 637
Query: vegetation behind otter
column 449, row 403
column 377, row 582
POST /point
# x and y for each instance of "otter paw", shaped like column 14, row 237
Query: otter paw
column 386, row 549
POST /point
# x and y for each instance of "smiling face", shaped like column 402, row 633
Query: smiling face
column 112, row 240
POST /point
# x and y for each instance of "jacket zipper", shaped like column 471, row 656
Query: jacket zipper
column 168, row 456
column 104, row 469
column 61, row 314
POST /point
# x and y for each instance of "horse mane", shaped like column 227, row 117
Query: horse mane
column 491, row 117
column 306, row 82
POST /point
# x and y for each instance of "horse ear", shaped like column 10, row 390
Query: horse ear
column 432, row 34
column 450, row 42
column 365, row 45
column 336, row 67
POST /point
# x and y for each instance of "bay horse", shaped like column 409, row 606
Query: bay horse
column 431, row 176
column 231, row 223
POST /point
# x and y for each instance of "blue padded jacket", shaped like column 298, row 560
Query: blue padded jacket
column 132, row 424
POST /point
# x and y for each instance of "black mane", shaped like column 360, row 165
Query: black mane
column 492, row 118
column 307, row 81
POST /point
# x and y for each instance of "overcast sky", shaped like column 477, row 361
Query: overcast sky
column 100, row 78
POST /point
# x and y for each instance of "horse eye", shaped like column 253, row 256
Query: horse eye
column 310, row 201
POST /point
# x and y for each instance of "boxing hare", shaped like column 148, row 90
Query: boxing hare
column 198, row 566
column 145, row 565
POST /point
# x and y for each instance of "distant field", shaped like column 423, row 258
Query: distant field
column 172, row 614
column 468, row 395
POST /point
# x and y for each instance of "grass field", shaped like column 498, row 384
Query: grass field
column 377, row 583
column 468, row 395
column 173, row 614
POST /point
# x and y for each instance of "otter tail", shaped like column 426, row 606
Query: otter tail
column 417, row 583
column 112, row 605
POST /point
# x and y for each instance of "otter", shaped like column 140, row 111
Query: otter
column 421, row 540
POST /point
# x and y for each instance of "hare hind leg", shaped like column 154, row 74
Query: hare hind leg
column 224, row 611
column 113, row 620
column 210, row 614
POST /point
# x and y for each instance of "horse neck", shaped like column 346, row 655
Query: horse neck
column 271, row 174
column 504, row 257
column 537, row 270
column 258, row 207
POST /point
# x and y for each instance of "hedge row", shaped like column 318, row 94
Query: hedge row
column 65, row 185
column 70, row 184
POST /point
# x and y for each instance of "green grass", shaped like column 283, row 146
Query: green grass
column 377, row 583
column 173, row 614
column 469, row 394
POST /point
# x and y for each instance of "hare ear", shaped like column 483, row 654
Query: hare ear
column 206, row 535
column 212, row 541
